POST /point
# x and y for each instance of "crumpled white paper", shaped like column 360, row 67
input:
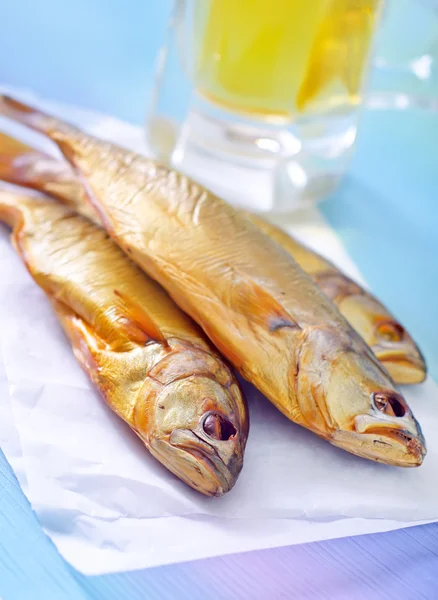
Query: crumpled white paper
column 109, row 506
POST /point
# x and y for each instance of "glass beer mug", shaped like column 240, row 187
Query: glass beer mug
column 258, row 99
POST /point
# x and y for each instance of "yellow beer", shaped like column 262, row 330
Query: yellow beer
column 279, row 58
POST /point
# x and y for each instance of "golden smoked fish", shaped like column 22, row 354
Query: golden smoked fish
column 254, row 302
column 148, row 360
column 387, row 338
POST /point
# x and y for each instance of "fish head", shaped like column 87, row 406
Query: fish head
column 354, row 403
column 387, row 338
column 197, row 427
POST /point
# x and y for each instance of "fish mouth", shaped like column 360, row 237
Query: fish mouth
column 405, row 366
column 219, row 480
column 413, row 445
column 201, row 465
column 398, row 444
column 394, row 447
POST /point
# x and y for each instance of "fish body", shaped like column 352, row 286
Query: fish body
column 250, row 297
column 384, row 334
column 149, row 361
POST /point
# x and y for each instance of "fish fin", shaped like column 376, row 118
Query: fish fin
column 10, row 149
column 111, row 372
column 24, row 166
column 86, row 342
column 139, row 326
column 260, row 306
column 74, row 144
column 18, row 163
column 88, row 347
column 59, row 131
column 34, row 118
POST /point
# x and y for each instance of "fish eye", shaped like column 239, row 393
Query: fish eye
column 390, row 403
column 390, row 331
column 218, row 427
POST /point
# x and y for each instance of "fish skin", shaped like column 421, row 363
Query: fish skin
column 27, row 167
column 320, row 373
column 387, row 338
column 149, row 361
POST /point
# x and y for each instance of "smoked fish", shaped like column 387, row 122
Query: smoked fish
column 250, row 297
column 384, row 334
column 149, row 361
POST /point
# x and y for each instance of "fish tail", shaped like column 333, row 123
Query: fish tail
column 34, row 118
column 30, row 168
column 62, row 133
column 72, row 142
column 18, row 163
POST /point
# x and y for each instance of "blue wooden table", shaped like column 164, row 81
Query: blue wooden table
column 100, row 54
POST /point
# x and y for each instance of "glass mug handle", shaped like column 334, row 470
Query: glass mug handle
column 405, row 67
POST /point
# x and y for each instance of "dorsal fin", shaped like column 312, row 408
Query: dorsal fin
column 138, row 324
column 260, row 306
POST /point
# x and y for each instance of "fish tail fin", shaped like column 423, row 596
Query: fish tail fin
column 79, row 148
column 27, row 167
column 68, row 138
column 18, row 163
column 34, row 118
column 73, row 143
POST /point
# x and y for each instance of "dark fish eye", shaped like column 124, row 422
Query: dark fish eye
column 218, row 427
column 390, row 331
column 390, row 403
